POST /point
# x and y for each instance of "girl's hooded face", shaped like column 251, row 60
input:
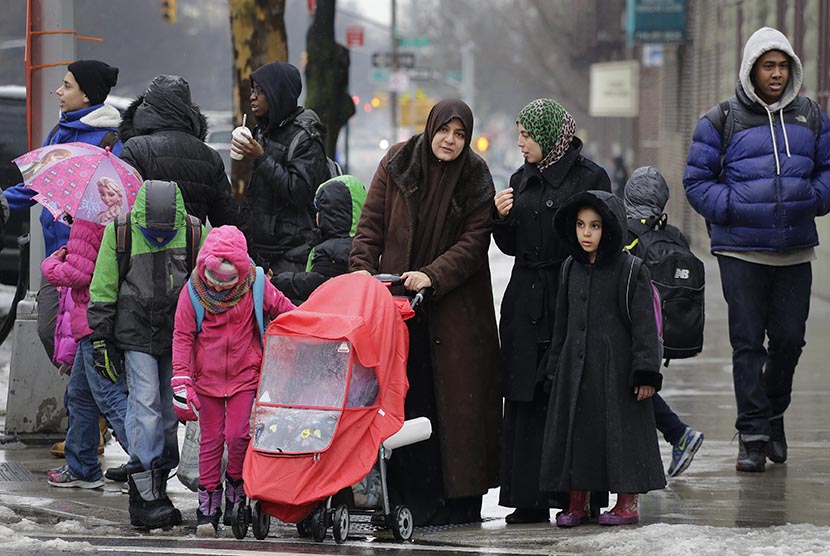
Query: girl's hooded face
column 449, row 140
column 530, row 148
column 589, row 231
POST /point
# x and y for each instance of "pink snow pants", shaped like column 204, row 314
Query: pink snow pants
column 223, row 421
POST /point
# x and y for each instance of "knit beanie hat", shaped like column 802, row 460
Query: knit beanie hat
column 551, row 126
column 220, row 272
column 95, row 78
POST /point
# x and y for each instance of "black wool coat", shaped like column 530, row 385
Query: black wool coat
column 598, row 437
column 529, row 301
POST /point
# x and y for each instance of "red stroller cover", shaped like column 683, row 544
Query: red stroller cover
column 361, row 310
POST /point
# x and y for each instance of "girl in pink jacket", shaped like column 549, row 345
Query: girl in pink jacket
column 216, row 369
column 88, row 394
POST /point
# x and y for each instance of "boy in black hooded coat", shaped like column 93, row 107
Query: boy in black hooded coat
column 604, row 367
column 278, row 213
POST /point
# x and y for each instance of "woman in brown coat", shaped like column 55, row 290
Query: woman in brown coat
column 427, row 216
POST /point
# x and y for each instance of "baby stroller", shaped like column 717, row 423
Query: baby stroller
column 331, row 391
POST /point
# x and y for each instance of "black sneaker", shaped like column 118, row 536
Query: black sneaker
column 777, row 445
column 751, row 455
column 119, row 474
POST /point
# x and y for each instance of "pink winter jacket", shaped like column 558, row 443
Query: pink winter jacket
column 224, row 358
column 73, row 268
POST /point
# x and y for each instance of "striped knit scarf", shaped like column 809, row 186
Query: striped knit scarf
column 219, row 302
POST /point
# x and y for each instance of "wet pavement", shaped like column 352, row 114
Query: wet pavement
column 710, row 493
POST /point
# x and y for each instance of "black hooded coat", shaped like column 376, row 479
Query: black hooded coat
column 278, row 214
column 598, row 437
column 164, row 139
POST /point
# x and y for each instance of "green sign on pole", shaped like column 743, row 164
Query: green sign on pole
column 379, row 76
column 413, row 42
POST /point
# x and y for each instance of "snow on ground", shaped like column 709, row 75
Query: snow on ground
column 12, row 540
column 696, row 540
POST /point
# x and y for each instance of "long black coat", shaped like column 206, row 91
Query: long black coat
column 598, row 436
column 527, row 234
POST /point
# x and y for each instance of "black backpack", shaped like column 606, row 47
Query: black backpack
column 305, row 121
column 680, row 279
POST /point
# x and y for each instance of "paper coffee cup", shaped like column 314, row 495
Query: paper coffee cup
column 242, row 134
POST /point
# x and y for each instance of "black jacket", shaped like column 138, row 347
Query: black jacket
column 598, row 437
column 163, row 135
column 527, row 308
column 278, row 212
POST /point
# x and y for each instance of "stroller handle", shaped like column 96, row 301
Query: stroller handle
column 397, row 280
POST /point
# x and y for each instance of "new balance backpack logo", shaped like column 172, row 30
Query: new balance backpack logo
column 682, row 273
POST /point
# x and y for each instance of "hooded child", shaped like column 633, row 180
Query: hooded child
column 603, row 366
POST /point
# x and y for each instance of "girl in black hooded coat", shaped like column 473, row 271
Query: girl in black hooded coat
column 604, row 366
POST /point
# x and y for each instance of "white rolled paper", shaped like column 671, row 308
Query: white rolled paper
column 413, row 430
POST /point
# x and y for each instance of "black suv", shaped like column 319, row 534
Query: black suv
column 13, row 143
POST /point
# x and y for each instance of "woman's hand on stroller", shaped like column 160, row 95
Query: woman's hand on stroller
column 185, row 400
column 415, row 280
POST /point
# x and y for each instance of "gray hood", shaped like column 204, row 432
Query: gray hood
column 763, row 40
column 646, row 194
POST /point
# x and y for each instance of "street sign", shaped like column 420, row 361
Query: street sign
column 386, row 60
column 379, row 76
column 423, row 74
column 398, row 82
column 354, row 35
column 413, row 42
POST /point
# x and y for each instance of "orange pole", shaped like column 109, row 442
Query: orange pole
column 27, row 61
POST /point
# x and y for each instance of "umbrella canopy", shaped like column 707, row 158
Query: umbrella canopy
column 80, row 180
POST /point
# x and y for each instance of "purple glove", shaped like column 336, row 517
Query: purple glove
column 185, row 400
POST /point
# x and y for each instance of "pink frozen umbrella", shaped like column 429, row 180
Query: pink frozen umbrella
column 80, row 180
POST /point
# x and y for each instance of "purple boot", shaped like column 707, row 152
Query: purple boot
column 625, row 511
column 234, row 492
column 579, row 510
column 210, row 508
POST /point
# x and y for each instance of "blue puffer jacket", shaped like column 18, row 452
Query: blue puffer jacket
column 764, row 192
column 88, row 125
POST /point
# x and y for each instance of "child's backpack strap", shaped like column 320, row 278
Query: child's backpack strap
column 259, row 299
column 198, row 308
column 631, row 270
column 194, row 240
column 123, row 244
column 566, row 270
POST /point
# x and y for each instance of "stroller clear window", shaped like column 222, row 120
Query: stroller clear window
column 302, row 392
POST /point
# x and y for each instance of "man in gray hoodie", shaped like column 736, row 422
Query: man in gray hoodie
column 759, row 173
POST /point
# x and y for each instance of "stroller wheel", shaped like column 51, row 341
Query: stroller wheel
column 240, row 519
column 402, row 523
column 260, row 521
column 304, row 528
column 318, row 524
column 340, row 527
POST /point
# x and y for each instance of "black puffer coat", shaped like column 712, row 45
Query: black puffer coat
column 164, row 139
column 598, row 436
column 527, row 233
column 278, row 214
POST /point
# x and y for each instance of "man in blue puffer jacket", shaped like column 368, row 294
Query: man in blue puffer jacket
column 85, row 119
column 759, row 173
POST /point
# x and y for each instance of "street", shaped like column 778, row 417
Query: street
column 710, row 509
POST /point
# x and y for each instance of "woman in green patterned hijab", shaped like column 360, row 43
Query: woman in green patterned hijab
column 552, row 172
column 550, row 126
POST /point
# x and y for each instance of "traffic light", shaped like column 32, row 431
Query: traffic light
column 482, row 143
column 168, row 11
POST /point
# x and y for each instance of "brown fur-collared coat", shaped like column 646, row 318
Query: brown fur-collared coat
column 462, row 325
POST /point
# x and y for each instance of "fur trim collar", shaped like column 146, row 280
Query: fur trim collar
column 106, row 116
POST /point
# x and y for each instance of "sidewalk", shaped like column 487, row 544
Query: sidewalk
column 711, row 493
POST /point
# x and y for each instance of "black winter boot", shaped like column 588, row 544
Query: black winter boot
column 150, row 507
column 234, row 492
column 777, row 445
column 209, row 512
column 751, row 455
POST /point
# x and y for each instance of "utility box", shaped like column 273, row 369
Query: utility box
column 34, row 408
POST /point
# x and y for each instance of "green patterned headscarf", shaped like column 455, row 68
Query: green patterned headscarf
column 550, row 125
